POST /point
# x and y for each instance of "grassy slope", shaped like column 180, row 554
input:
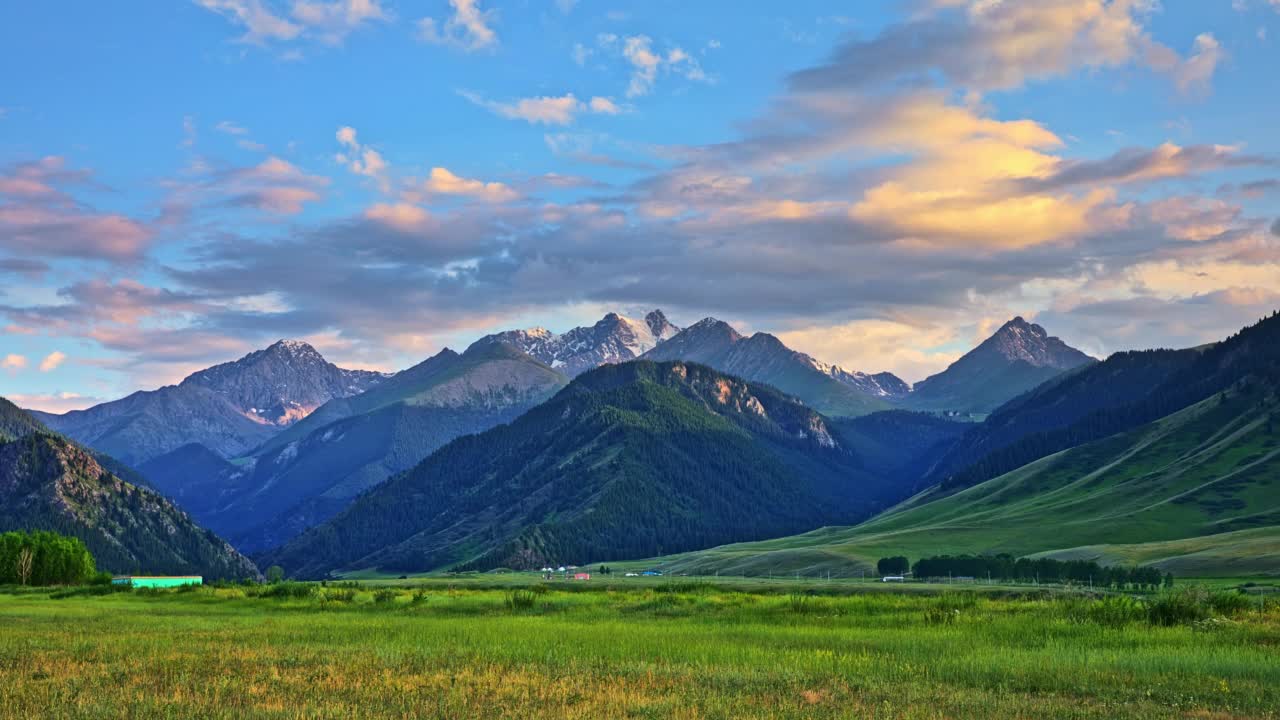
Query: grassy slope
column 1212, row 468
column 633, row 654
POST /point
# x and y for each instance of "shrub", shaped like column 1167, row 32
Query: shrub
column 1231, row 604
column 385, row 595
column 1178, row 607
column 1116, row 610
column 289, row 591
column 521, row 600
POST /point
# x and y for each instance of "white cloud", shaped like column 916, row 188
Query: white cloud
column 581, row 53
column 230, row 128
column 361, row 159
column 59, row 402
column 52, row 361
column 546, row 110
column 1194, row 75
column 468, row 28
column 333, row 21
column 443, row 182
column 259, row 22
column 646, row 63
column 13, row 362
column 329, row 22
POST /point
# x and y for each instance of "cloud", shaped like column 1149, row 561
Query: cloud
column 469, row 28
column 42, row 219
column 52, row 361
column 13, row 362
column 361, row 159
column 443, row 182
column 275, row 186
column 646, row 62
column 230, row 128
column 1142, row 164
column 328, row 22
column 984, row 46
column 1195, row 74
column 57, row 403
column 333, row 21
column 546, row 110
column 260, row 23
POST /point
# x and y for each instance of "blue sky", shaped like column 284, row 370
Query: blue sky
column 878, row 183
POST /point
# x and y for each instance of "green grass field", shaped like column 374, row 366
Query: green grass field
column 681, row 649
column 1194, row 493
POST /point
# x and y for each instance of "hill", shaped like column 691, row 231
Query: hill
column 1016, row 358
column 1192, row 480
column 627, row 461
column 49, row 483
column 763, row 358
column 16, row 422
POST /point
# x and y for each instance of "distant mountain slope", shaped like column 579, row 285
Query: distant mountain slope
column 899, row 444
column 763, row 358
column 1210, row 468
column 614, row 339
column 46, row 482
column 229, row 408
column 1121, row 393
column 1018, row 357
column 627, row 461
column 315, row 469
column 197, row 479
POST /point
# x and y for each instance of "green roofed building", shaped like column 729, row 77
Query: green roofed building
column 157, row 581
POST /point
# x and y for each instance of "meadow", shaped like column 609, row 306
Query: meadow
column 673, row 648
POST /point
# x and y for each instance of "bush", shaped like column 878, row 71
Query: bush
column 1231, row 604
column 1116, row 611
column 385, row 595
column 1178, row 607
column 289, row 591
column 521, row 600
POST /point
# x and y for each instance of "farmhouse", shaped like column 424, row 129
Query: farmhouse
column 157, row 581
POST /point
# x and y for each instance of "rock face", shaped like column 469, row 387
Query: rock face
column 765, row 359
column 614, row 339
column 1018, row 357
column 628, row 461
column 229, row 408
column 48, row 483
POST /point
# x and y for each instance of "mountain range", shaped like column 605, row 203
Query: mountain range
column 229, row 408
column 632, row 438
column 47, row 482
column 627, row 461
column 1162, row 457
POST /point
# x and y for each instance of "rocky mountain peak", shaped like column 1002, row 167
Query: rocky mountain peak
column 613, row 339
column 1031, row 343
column 283, row 382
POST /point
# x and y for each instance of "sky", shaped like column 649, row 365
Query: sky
column 880, row 184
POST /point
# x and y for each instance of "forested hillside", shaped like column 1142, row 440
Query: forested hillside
column 627, row 461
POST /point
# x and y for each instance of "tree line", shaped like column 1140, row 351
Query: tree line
column 44, row 558
column 1044, row 570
